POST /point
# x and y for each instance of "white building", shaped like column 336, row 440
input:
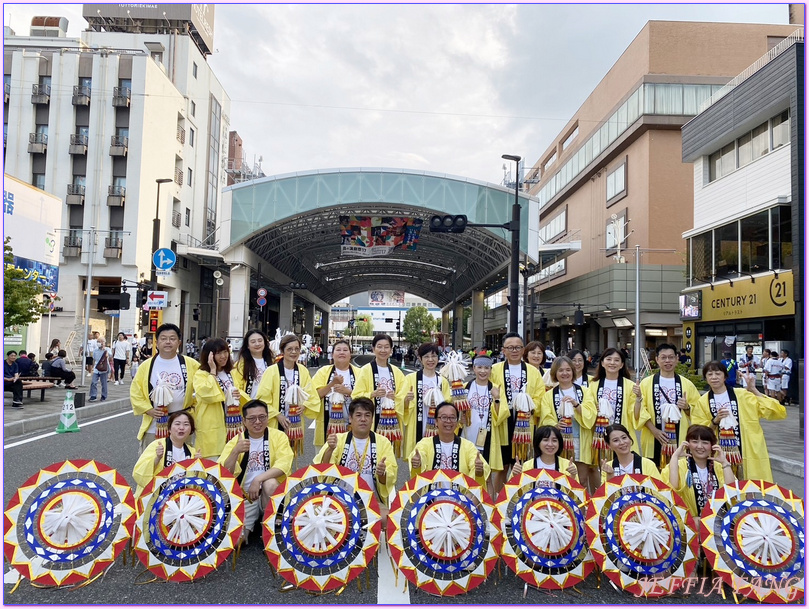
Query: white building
column 98, row 121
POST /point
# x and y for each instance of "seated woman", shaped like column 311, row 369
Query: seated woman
column 447, row 450
column 165, row 451
column 693, row 473
column 548, row 445
column 59, row 369
column 624, row 460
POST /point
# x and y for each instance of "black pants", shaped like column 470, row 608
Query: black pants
column 16, row 390
column 119, row 365
column 67, row 375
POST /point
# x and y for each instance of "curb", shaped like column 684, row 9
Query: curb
column 48, row 422
column 787, row 466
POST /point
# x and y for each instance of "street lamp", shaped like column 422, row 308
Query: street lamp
column 514, row 270
column 156, row 228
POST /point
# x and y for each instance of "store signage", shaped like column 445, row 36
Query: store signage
column 769, row 296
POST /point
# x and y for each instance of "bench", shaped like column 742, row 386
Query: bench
column 30, row 386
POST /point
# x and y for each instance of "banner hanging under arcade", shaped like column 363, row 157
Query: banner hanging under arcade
column 378, row 236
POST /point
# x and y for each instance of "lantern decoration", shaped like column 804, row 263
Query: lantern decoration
column 455, row 370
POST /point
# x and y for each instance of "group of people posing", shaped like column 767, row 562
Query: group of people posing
column 250, row 417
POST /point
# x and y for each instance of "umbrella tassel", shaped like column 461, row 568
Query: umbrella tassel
column 233, row 421
column 568, row 450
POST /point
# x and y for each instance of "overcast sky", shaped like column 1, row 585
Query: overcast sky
column 444, row 88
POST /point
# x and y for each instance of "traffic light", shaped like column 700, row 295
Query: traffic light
column 578, row 317
column 351, row 323
column 123, row 304
column 543, row 323
column 154, row 320
column 388, row 320
column 293, row 285
column 398, row 325
column 196, row 314
column 448, row 224
column 141, row 298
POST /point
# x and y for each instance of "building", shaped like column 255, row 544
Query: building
column 744, row 264
column 103, row 121
column 614, row 179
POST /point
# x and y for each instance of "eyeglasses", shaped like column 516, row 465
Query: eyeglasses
column 258, row 419
column 292, row 350
column 447, row 419
column 513, row 348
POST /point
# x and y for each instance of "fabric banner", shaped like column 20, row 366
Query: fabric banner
column 378, row 236
column 386, row 298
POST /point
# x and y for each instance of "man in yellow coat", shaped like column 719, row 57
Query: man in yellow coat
column 166, row 369
column 260, row 459
column 363, row 451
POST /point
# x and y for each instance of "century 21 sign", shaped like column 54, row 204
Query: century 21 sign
column 769, row 296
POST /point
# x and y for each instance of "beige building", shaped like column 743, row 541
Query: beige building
column 614, row 179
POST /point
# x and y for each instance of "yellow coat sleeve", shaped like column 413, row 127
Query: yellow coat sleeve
column 145, row 468
column 238, row 375
column 469, row 453
column 427, row 454
column 313, row 404
column 281, row 455
column 547, row 410
column 409, row 414
column 139, row 398
column 384, row 450
column 192, row 367
column 237, row 468
column 209, row 415
column 364, row 384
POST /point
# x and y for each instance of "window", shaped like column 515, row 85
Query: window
column 701, row 258
column 782, row 237
column 190, row 176
column 551, row 160
column 616, row 232
column 188, row 216
column 122, row 131
column 84, row 81
column 38, row 180
column 722, row 163
column 555, row 227
column 194, row 69
column 616, row 182
column 761, row 141
column 191, row 134
column 570, row 138
column 745, row 149
column 80, row 180
column 85, row 131
column 726, row 249
column 42, row 129
column 125, row 83
column 755, row 232
column 193, row 109
column 780, row 130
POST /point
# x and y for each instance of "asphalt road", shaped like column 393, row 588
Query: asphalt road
column 113, row 443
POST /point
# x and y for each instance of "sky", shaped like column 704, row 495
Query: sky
column 440, row 88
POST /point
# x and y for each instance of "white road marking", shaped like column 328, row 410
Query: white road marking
column 387, row 591
column 53, row 433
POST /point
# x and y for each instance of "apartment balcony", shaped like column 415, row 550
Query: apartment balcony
column 78, row 144
column 178, row 176
column 81, row 96
column 41, row 94
column 180, row 134
column 120, row 97
column 116, row 196
column 113, row 246
column 72, row 248
column 6, row 92
column 119, row 145
column 37, row 143
column 176, row 219
column 75, row 194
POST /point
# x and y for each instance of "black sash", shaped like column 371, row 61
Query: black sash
column 734, row 408
column 637, row 464
column 377, row 402
column 296, row 380
column 246, row 455
column 619, row 398
column 327, row 400
column 183, row 370
column 456, row 453
column 557, row 399
column 168, row 456
column 693, row 478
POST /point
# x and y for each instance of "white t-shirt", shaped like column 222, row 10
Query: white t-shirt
column 255, row 462
column 722, row 400
column 610, row 393
column 121, row 349
column 290, row 377
column 515, row 378
column 168, row 372
column 540, row 464
column 629, row 469
column 669, row 387
column 177, row 454
column 427, row 383
column 446, row 455
column 360, row 450
column 385, row 380
column 480, row 405
column 261, row 366
column 226, row 382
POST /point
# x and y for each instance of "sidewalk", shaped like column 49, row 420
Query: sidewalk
column 783, row 437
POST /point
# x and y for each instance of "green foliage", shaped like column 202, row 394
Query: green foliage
column 22, row 299
column 417, row 326
column 692, row 375
column 364, row 326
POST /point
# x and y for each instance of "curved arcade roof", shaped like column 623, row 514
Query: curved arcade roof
column 293, row 222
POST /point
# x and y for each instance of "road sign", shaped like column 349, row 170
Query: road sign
column 164, row 259
column 262, row 292
column 262, row 302
column 157, row 300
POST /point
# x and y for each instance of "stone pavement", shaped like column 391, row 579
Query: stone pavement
column 783, row 437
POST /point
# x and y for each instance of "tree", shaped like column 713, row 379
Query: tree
column 417, row 326
column 22, row 298
column 364, row 326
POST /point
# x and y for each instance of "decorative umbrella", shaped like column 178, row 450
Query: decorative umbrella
column 321, row 527
column 191, row 517
column 641, row 535
column 753, row 534
column 441, row 532
column 68, row 523
column 541, row 515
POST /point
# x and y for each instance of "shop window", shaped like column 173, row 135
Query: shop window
column 726, row 250
column 755, row 233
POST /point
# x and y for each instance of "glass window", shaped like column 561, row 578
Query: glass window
column 194, row 69
column 726, row 249
column 85, row 131
column 633, row 106
column 621, row 116
column 570, row 138
column 80, row 180
column 761, row 144
column 191, row 134
column 38, row 180
column 193, row 109
column 780, row 130
column 781, row 237
column 615, row 231
column 190, row 176
column 122, row 131
column 612, row 125
column 588, row 152
column 84, row 81
column 42, row 129
column 745, row 150
column 596, row 143
column 605, row 140
column 701, row 255
column 668, row 99
column 125, row 83
column 119, row 181
column 616, row 182
column 187, row 216
column 755, row 239
column 648, row 98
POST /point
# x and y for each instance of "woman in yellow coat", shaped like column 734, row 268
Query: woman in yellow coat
column 417, row 389
column 548, row 447
column 555, row 401
column 624, row 460
column 211, row 383
column 255, row 357
column 337, row 378
column 693, row 473
column 742, row 408
column 376, row 380
column 580, row 376
column 273, row 387
column 165, row 451
column 612, row 393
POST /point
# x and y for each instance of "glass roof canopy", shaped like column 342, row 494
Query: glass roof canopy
column 292, row 221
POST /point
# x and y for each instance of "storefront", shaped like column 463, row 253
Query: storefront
column 727, row 316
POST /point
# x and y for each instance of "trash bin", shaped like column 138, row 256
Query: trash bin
column 78, row 399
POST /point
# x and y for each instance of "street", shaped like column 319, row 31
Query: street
column 251, row 582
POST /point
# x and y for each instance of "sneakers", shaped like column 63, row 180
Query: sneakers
column 17, row 405
column 92, row 399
